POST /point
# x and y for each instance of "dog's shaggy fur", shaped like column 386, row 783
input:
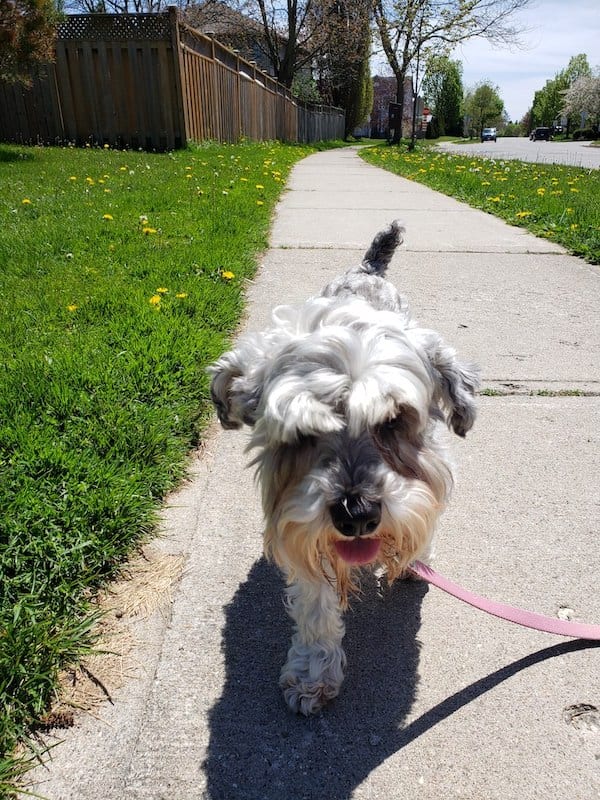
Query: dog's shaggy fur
column 344, row 396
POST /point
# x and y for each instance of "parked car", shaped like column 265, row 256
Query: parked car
column 488, row 135
column 540, row 134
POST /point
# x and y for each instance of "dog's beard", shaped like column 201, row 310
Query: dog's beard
column 300, row 536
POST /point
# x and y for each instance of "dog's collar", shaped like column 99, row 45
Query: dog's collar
column 530, row 619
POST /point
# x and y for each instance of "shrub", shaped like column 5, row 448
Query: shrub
column 584, row 134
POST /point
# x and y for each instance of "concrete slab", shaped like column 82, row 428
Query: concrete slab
column 352, row 199
column 440, row 700
column 530, row 321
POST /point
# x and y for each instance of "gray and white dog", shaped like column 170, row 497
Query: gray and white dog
column 344, row 396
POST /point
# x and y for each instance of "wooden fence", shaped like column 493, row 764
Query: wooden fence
column 150, row 81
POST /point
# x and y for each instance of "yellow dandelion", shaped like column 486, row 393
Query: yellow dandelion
column 244, row 180
column 26, row 201
column 71, row 307
column 227, row 274
column 259, row 186
column 259, row 203
column 162, row 290
column 493, row 199
column 573, row 189
column 574, row 226
column 522, row 214
column 541, row 191
column 148, row 231
column 107, row 216
column 90, row 181
column 181, row 295
column 73, row 178
column 154, row 300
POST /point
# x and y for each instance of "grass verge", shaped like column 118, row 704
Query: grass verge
column 122, row 278
column 557, row 202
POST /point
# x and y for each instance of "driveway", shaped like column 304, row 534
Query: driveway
column 574, row 154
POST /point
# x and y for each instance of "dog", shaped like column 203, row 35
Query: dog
column 344, row 396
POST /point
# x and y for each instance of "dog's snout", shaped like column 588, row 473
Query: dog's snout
column 355, row 516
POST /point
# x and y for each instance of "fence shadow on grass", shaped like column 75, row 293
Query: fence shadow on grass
column 259, row 749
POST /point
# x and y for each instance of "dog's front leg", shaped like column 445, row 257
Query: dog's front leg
column 314, row 670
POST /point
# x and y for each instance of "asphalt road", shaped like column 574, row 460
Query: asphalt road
column 574, row 154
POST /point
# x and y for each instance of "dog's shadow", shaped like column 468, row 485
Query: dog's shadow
column 258, row 748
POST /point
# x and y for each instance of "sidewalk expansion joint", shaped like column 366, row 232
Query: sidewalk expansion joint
column 505, row 388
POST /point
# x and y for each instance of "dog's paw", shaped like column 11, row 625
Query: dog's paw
column 312, row 676
column 307, row 698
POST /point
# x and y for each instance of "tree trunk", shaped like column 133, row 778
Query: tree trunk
column 400, row 101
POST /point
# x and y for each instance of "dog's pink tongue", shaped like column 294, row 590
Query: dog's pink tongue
column 357, row 550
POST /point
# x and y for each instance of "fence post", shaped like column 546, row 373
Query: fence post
column 180, row 76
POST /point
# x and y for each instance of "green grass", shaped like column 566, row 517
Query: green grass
column 556, row 202
column 122, row 278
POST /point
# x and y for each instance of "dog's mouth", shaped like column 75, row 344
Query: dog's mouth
column 357, row 550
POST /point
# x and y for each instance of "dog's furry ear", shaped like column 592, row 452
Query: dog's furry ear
column 235, row 387
column 456, row 381
column 458, row 384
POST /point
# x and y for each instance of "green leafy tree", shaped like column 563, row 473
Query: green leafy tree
column 548, row 102
column 27, row 34
column 413, row 30
column 482, row 107
column 443, row 93
column 345, row 64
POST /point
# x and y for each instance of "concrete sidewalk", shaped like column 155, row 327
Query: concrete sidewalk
column 440, row 700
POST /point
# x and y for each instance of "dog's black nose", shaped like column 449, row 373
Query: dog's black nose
column 355, row 516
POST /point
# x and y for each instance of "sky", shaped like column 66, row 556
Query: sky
column 552, row 32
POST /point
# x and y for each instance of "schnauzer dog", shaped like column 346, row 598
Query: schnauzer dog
column 344, row 397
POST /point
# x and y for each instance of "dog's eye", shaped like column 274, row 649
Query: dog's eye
column 390, row 426
column 306, row 440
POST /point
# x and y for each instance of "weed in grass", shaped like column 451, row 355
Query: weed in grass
column 122, row 278
column 556, row 202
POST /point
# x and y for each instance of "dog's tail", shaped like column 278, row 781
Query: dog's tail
column 379, row 254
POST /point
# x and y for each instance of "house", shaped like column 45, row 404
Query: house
column 384, row 96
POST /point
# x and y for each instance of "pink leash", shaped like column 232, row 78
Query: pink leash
column 561, row 627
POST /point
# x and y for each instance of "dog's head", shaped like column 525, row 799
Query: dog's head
column 343, row 400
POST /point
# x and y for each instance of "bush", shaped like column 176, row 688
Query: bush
column 584, row 134
column 433, row 129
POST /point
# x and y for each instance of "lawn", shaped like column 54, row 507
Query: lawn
column 122, row 278
column 556, row 202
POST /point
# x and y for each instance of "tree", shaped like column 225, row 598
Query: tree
column 27, row 33
column 549, row 101
column 344, row 63
column 583, row 98
column 413, row 29
column 299, row 33
column 443, row 93
column 123, row 6
column 482, row 107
